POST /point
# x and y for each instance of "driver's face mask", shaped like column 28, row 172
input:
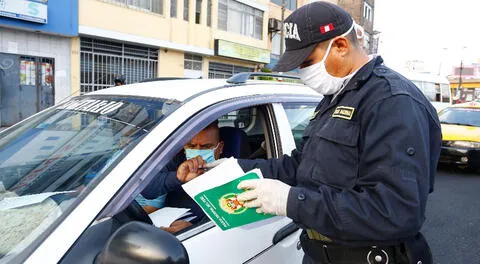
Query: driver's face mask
column 208, row 155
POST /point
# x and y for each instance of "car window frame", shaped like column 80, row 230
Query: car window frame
column 169, row 148
column 65, row 234
column 176, row 141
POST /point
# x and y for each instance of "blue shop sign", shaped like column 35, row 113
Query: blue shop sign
column 34, row 11
column 48, row 16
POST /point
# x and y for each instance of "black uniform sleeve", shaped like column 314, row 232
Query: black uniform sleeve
column 388, row 201
column 283, row 169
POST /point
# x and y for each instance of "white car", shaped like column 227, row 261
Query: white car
column 69, row 175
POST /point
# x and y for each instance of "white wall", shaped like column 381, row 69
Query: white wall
column 41, row 45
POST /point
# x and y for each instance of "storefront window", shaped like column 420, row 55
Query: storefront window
column 101, row 61
column 27, row 86
column 192, row 65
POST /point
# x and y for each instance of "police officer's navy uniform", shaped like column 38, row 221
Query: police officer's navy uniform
column 365, row 168
column 361, row 177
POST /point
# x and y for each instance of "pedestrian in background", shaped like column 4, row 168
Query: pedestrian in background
column 119, row 80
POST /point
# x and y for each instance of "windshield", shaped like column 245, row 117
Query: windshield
column 48, row 160
column 460, row 116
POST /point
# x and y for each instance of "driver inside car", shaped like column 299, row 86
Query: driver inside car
column 203, row 148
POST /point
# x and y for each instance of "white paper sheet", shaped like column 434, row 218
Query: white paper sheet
column 167, row 215
column 227, row 171
column 19, row 201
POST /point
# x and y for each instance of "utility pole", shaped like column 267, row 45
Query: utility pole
column 461, row 69
column 460, row 77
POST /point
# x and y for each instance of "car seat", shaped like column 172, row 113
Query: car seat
column 235, row 143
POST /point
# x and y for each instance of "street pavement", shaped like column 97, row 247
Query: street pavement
column 452, row 226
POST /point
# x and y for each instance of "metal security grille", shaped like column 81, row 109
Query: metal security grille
column 223, row 71
column 101, row 61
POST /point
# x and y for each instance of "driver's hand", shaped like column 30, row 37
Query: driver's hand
column 190, row 169
column 176, row 226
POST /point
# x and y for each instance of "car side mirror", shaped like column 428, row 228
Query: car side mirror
column 137, row 242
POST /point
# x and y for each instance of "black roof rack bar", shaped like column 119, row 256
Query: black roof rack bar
column 166, row 79
column 244, row 76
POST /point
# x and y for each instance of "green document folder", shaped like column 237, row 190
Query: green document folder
column 224, row 209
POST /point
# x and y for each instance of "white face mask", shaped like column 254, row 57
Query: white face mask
column 317, row 77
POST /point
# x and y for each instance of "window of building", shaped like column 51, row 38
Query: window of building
column 154, row 6
column 367, row 11
column 209, row 13
column 101, row 61
column 198, row 11
column 239, row 18
column 224, row 71
column 173, row 8
column 186, row 3
column 192, row 64
column 289, row 4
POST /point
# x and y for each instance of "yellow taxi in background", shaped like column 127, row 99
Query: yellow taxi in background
column 461, row 135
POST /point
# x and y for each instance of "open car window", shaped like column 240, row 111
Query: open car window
column 299, row 115
column 244, row 133
column 48, row 160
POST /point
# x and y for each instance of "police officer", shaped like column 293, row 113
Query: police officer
column 359, row 183
column 119, row 80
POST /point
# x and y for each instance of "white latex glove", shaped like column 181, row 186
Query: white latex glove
column 270, row 196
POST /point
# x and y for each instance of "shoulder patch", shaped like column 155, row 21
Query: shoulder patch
column 344, row 112
column 314, row 115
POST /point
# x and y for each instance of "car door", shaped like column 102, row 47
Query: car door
column 205, row 243
column 291, row 118
column 271, row 241
column 249, row 243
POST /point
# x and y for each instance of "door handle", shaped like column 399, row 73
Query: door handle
column 284, row 232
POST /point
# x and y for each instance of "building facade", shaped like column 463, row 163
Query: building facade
column 363, row 12
column 465, row 82
column 467, row 90
column 35, row 66
column 168, row 38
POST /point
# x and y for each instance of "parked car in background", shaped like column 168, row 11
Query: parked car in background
column 69, row 175
column 461, row 135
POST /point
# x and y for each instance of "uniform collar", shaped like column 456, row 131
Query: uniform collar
column 363, row 74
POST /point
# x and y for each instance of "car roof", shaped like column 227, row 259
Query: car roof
column 180, row 90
